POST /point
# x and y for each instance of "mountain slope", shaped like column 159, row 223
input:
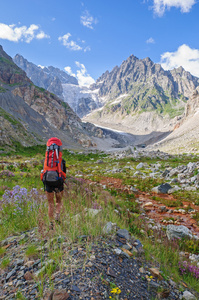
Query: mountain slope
column 184, row 138
column 39, row 113
column 140, row 96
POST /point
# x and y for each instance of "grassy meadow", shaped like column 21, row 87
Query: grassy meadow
column 23, row 205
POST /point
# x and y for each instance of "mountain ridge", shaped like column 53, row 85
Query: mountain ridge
column 140, row 96
column 66, row 87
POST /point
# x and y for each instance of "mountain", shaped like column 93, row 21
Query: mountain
column 58, row 82
column 30, row 114
column 140, row 96
column 49, row 78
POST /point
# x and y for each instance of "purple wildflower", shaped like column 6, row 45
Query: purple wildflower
column 186, row 268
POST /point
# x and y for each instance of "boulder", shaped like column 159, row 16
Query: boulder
column 174, row 231
column 188, row 296
column 124, row 234
column 163, row 188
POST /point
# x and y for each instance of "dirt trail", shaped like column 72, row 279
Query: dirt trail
column 154, row 210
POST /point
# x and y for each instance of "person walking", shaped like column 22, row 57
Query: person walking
column 53, row 176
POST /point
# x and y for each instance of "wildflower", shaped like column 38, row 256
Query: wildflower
column 116, row 290
column 186, row 268
column 19, row 198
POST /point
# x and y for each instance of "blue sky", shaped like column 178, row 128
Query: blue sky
column 88, row 37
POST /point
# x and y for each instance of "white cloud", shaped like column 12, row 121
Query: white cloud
column 69, row 44
column 150, row 41
column 69, row 71
column 72, row 45
column 15, row 34
column 87, row 20
column 41, row 35
column 88, row 48
column 185, row 56
column 84, row 79
column 160, row 6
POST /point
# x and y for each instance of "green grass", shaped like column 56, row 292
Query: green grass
column 80, row 195
column 32, row 252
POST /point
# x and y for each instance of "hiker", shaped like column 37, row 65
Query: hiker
column 53, row 176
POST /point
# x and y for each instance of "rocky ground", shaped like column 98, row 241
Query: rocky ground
column 181, row 178
column 109, row 267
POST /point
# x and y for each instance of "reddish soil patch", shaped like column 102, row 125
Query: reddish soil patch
column 153, row 210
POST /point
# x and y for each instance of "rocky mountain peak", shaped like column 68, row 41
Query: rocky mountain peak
column 49, row 78
column 10, row 73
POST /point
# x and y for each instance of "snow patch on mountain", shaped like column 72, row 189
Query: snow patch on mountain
column 81, row 99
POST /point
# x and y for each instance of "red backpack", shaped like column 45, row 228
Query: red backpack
column 53, row 174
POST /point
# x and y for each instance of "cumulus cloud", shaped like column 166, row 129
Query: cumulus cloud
column 185, row 56
column 41, row 35
column 87, row 20
column 15, row 34
column 69, row 71
column 84, row 79
column 150, row 41
column 160, row 6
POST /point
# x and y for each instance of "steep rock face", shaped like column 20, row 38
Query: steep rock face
column 10, row 73
column 134, row 71
column 66, row 87
column 49, row 78
column 192, row 106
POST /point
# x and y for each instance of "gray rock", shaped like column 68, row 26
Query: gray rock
column 191, row 166
column 188, row 296
column 166, row 173
column 174, row 231
column 163, row 209
column 93, row 212
column 127, row 246
column 19, row 262
column 124, row 234
column 10, row 274
column 109, row 227
column 140, row 166
column 19, row 283
column 174, row 189
column 163, row 188
column 117, row 251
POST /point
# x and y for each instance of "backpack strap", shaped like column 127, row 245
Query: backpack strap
column 52, row 158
